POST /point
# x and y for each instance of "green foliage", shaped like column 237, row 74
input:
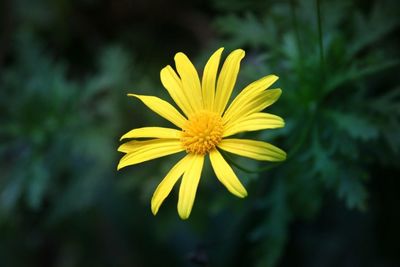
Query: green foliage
column 48, row 129
column 63, row 107
column 331, row 102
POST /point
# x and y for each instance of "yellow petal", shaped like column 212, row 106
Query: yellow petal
column 254, row 122
column 149, row 150
column 162, row 108
column 249, row 92
column 188, row 188
column 132, row 146
column 166, row 185
column 227, row 80
column 190, row 80
column 153, row 132
column 226, row 175
column 254, row 104
column 253, row 149
column 209, row 79
column 173, row 84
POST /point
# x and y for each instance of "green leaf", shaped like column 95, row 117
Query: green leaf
column 355, row 72
column 352, row 190
column 382, row 20
column 386, row 110
column 324, row 164
column 272, row 232
column 37, row 184
column 11, row 192
column 357, row 126
column 245, row 30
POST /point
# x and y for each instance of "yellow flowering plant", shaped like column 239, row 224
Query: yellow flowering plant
column 204, row 126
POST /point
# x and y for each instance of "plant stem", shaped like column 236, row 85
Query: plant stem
column 296, row 28
column 321, row 45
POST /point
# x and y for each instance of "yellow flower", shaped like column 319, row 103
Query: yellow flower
column 204, row 127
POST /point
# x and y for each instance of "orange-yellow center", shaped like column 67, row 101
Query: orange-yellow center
column 202, row 132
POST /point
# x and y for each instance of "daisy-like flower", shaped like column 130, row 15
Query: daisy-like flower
column 205, row 126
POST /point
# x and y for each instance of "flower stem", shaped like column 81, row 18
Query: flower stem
column 321, row 45
column 296, row 28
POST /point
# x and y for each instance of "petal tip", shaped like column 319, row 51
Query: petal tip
column 119, row 167
column 283, row 156
column 154, row 208
column 241, row 52
column 179, row 55
column 273, row 78
column 165, row 69
column 278, row 92
column 219, row 50
column 183, row 212
column 184, row 216
column 242, row 194
column 276, row 77
column 122, row 137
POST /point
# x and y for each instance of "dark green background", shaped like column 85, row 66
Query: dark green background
column 65, row 69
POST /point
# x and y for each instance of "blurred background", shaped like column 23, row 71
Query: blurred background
column 65, row 69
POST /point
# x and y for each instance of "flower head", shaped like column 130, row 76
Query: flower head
column 204, row 127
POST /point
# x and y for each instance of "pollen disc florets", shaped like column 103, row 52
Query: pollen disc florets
column 202, row 132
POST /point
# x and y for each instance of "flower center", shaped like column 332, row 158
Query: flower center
column 202, row 132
